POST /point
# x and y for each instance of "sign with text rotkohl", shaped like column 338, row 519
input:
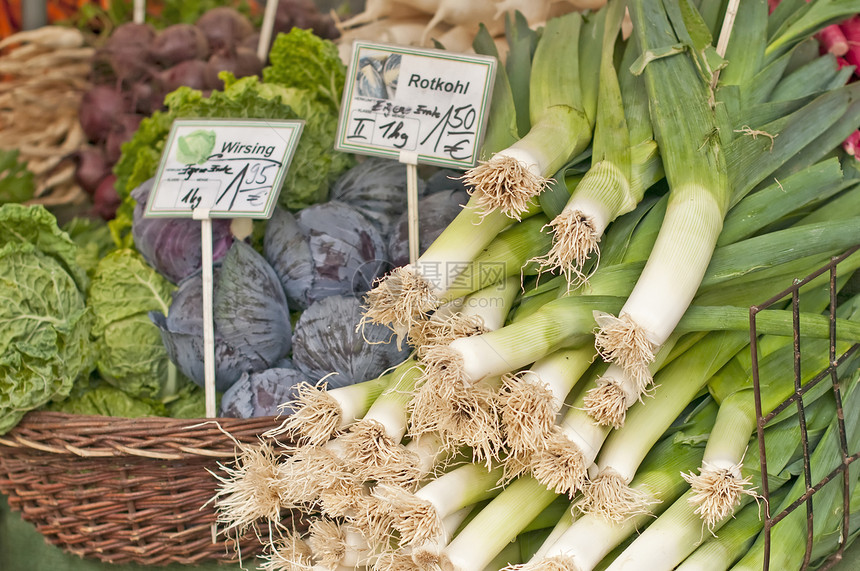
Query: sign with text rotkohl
column 426, row 102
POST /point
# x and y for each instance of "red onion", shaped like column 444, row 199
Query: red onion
column 100, row 108
column 224, row 27
column 178, row 43
column 105, row 199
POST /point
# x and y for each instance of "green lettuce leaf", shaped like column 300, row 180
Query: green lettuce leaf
column 191, row 403
column 44, row 331
column 93, row 239
column 101, row 399
column 131, row 355
column 37, row 226
column 306, row 61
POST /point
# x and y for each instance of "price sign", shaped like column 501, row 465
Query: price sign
column 230, row 168
column 427, row 103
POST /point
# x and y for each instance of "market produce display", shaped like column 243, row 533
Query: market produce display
column 563, row 378
column 476, row 440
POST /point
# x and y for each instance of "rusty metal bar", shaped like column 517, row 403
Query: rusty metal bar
column 797, row 399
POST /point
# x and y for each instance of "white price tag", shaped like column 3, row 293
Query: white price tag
column 232, row 168
column 427, row 102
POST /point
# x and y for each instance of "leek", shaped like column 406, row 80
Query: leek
column 561, row 121
column 719, row 483
column 624, row 164
column 496, row 525
column 676, row 534
column 532, row 399
column 609, row 493
column 408, row 294
column 318, row 413
column 418, row 516
column 590, row 538
column 699, row 197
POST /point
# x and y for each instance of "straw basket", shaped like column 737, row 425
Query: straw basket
column 124, row 490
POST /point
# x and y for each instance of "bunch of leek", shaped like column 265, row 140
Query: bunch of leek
column 452, row 456
column 556, row 124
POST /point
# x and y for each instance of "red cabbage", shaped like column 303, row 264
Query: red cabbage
column 172, row 245
column 251, row 318
column 325, row 249
column 326, row 340
column 376, row 187
column 261, row 394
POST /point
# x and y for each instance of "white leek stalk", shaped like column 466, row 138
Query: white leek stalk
column 372, row 446
column 469, row 255
column 419, row 516
column 479, row 312
column 565, row 322
column 677, row 532
column 719, row 484
column 318, row 413
column 591, row 537
column 720, row 552
column 561, row 124
column 686, row 131
column 624, row 163
column 532, row 399
column 561, row 461
column 496, row 525
column 609, row 493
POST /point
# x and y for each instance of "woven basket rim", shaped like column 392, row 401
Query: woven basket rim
column 154, row 437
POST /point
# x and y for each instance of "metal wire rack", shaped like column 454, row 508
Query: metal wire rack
column 829, row 373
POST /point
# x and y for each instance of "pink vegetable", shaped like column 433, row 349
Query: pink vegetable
column 851, row 29
column 240, row 61
column 105, row 199
column 100, row 109
column 92, row 167
column 852, row 144
column 121, row 132
column 305, row 15
column 832, row 40
column 126, row 52
column 224, row 27
column 190, row 72
column 178, row 43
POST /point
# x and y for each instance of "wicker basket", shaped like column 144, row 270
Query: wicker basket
column 124, row 490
